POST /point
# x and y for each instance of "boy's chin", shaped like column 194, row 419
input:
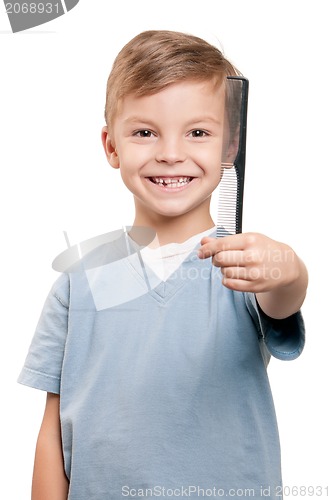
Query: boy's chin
column 176, row 212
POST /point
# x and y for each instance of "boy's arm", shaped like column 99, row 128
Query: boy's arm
column 49, row 480
column 252, row 262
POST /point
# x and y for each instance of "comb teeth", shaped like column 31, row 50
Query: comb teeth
column 227, row 217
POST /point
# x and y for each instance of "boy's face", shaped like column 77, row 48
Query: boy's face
column 168, row 147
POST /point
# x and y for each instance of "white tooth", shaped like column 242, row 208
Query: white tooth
column 171, row 181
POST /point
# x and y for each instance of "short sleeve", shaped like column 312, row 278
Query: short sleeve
column 283, row 338
column 43, row 364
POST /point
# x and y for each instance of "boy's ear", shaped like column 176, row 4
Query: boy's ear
column 232, row 151
column 110, row 151
column 229, row 156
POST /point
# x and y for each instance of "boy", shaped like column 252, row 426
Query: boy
column 164, row 392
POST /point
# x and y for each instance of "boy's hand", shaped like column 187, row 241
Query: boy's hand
column 251, row 262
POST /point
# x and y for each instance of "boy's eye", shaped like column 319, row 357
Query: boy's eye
column 198, row 133
column 143, row 133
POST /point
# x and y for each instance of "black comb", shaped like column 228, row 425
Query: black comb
column 231, row 186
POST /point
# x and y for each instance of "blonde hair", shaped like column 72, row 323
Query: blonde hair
column 155, row 59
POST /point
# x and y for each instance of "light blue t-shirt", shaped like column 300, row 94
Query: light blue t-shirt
column 163, row 385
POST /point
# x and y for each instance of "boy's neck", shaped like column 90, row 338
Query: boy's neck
column 175, row 229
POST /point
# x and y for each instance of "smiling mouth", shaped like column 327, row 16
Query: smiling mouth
column 171, row 182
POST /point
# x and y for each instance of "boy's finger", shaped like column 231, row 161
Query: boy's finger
column 229, row 258
column 211, row 246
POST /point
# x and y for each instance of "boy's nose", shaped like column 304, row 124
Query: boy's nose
column 170, row 152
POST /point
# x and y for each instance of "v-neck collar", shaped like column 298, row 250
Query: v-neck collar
column 161, row 290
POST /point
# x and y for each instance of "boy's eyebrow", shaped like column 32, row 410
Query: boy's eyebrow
column 205, row 118
column 137, row 119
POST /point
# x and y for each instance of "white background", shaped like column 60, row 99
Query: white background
column 54, row 177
